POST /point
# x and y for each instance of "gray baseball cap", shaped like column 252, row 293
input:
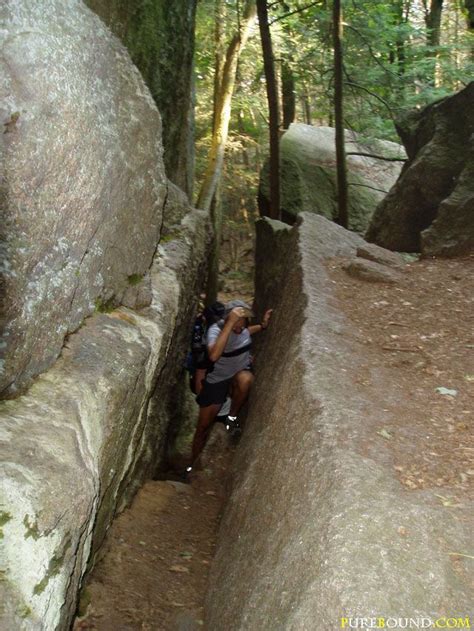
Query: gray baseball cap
column 238, row 303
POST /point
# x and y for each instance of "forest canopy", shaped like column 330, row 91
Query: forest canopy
column 398, row 55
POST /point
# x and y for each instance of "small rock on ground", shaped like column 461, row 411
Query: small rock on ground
column 373, row 252
column 371, row 271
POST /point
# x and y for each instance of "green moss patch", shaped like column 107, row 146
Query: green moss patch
column 32, row 529
column 135, row 279
column 54, row 568
column 171, row 236
column 4, row 519
column 104, row 306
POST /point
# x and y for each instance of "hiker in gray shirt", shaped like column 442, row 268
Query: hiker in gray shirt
column 228, row 346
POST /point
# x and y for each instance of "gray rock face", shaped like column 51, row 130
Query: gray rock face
column 84, row 181
column 452, row 232
column 88, row 432
column 430, row 209
column 308, row 173
column 309, row 534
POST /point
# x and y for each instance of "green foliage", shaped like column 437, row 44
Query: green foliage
column 389, row 69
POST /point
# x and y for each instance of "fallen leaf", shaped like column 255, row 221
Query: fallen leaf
column 385, row 434
column 179, row 568
column 447, row 501
column 446, row 391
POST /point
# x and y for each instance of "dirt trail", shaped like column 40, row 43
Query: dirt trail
column 418, row 338
column 154, row 569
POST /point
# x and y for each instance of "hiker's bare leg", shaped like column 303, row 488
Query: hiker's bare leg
column 206, row 417
column 242, row 382
column 199, row 377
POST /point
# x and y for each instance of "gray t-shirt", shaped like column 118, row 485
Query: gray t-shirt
column 227, row 367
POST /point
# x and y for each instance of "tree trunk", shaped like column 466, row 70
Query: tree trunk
column 342, row 203
column 219, row 51
column 469, row 4
column 433, row 34
column 222, row 108
column 225, row 82
column 305, row 102
column 433, row 23
column 288, row 95
column 273, row 109
column 212, row 286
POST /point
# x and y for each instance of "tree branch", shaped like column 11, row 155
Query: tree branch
column 367, row 186
column 377, row 60
column 300, row 10
column 373, row 155
column 376, row 96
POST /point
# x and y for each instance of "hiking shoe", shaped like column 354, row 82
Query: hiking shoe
column 232, row 423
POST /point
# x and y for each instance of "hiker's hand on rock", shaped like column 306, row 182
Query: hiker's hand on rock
column 236, row 314
column 266, row 318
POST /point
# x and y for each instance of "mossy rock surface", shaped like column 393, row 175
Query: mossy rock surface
column 159, row 35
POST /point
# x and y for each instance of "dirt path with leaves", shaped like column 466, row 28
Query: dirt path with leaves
column 155, row 563
column 419, row 334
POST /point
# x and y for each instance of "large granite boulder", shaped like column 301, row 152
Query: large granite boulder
column 430, row 209
column 311, row 531
column 79, row 444
column 308, row 174
column 83, row 185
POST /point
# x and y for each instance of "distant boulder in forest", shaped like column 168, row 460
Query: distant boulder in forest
column 308, row 174
column 430, row 209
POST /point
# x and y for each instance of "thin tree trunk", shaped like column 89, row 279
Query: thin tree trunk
column 212, row 288
column 433, row 33
column 273, row 109
column 219, row 52
column 288, row 95
column 225, row 81
column 433, row 23
column 342, row 202
column 306, row 105
column 223, row 108
column 469, row 4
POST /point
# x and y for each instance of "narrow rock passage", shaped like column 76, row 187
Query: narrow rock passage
column 154, row 570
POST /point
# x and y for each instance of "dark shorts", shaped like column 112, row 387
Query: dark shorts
column 213, row 393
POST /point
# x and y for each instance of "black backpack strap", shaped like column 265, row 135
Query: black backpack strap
column 238, row 351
